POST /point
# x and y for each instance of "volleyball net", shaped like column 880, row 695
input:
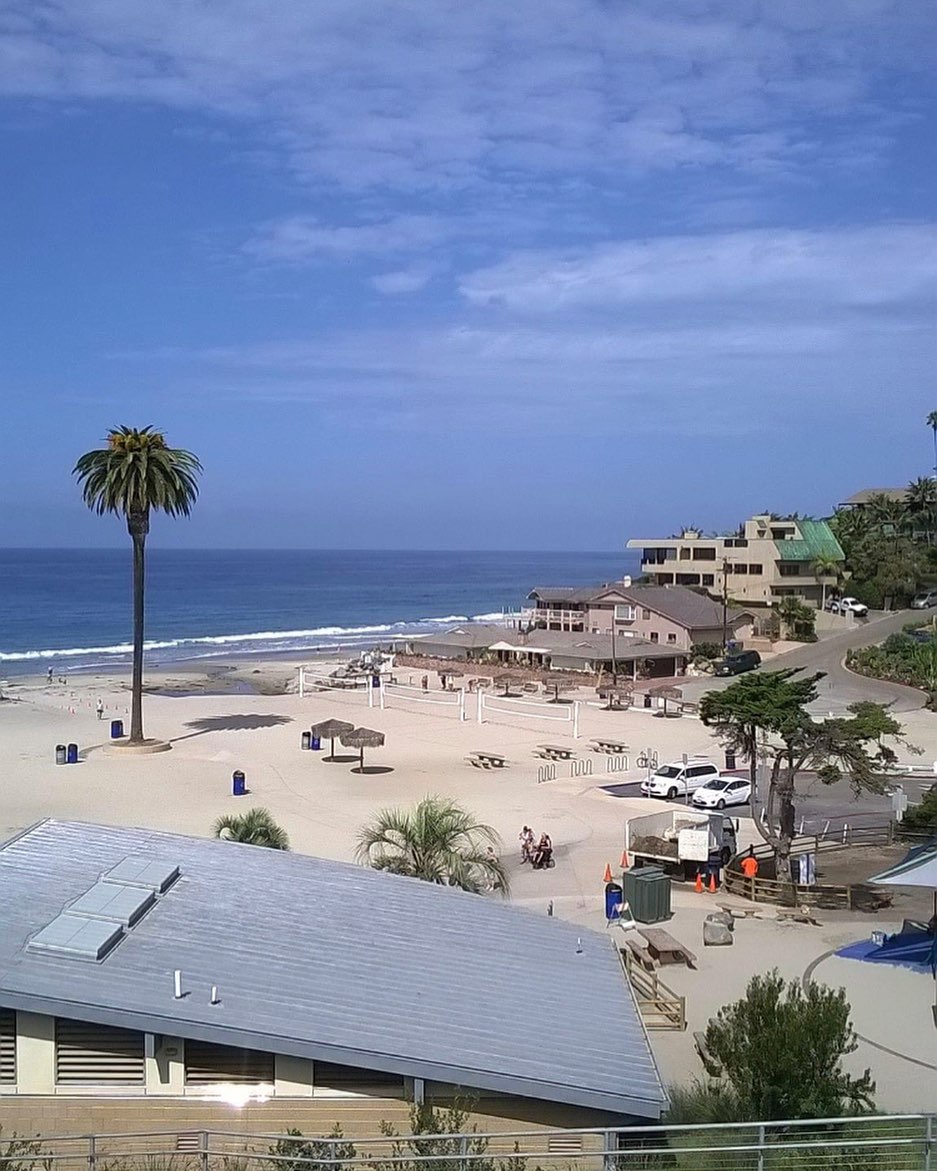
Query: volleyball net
column 497, row 709
column 414, row 698
column 355, row 687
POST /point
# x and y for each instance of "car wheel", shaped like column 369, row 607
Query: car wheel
column 720, row 804
column 726, row 855
column 671, row 794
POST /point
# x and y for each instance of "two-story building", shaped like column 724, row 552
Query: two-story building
column 672, row 616
column 768, row 559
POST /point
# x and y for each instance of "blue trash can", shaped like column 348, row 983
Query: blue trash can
column 71, row 756
column 375, row 680
column 306, row 740
column 613, row 901
column 316, row 743
column 238, row 788
column 117, row 729
column 60, row 757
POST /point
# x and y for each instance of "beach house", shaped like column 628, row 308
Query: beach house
column 150, row 981
column 666, row 616
column 767, row 559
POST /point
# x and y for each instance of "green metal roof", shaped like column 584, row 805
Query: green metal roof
column 817, row 541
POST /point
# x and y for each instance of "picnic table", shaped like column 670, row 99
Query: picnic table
column 556, row 751
column 665, row 949
column 487, row 759
column 606, row 744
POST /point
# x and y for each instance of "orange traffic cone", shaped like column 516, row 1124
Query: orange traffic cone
column 624, row 859
column 608, row 873
column 699, row 883
column 712, row 884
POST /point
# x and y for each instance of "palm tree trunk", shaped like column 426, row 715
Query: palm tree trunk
column 138, row 524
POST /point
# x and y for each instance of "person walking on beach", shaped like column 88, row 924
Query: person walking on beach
column 99, row 708
column 49, row 676
column 526, row 838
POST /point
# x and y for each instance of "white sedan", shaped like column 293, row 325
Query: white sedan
column 723, row 791
column 848, row 606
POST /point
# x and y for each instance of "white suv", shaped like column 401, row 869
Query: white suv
column 679, row 779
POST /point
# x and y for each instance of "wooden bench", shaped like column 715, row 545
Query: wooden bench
column 487, row 760
column 640, row 954
column 710, row 1064
column 665, row 949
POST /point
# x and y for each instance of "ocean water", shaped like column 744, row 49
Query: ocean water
column 71, row 609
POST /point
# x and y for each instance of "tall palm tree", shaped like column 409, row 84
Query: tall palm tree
column 254, row 827
column 932, row 423
column 437, row 841
column 921, row 498
column 825, row 568
column 135, row 473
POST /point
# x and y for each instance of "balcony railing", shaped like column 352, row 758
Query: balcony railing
column 537, row 615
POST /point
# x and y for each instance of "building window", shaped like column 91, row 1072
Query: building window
column 738, row 569
column 671, row 638
column 7, row 1045
column 655, row 637
column 646, row 614
column 97, row 1055
column 790, row 568
column 624, row 613
column 685, row 554
column 708, row 579
column 208, row 1065
column 688, row 579
column 350, row 1079
column 704, row 554
column 755, row 569
column 664, row 579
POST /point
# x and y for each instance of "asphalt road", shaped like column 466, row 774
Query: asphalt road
column 840, row 687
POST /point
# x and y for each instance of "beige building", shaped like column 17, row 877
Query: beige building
column 672, row 616
column 767, row 560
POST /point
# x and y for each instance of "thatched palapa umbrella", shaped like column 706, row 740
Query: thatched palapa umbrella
column 362, row 738
column 666, row 692
column 509, row 681
column 615, row 694
column 328, row 730
column 559, row 682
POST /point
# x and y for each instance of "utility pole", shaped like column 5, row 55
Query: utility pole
column 614, row 657
column 725, row 604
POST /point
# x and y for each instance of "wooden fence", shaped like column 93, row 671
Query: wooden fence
column 660, row 1006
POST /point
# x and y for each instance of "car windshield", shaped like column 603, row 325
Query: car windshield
column 669, row 770
column 717, row 785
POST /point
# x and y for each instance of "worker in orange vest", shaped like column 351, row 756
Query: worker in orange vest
column 749, row 863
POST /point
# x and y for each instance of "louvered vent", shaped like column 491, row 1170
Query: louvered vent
column 7, row 1045
column 564, row 1144
column 207, row 1065
column 97, row 1055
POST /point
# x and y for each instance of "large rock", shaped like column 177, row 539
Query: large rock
column 716, row 934
column 723, row 917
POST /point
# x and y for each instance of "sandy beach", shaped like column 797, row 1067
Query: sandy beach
column 248, row 716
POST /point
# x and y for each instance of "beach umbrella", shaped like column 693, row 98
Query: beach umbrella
column 559, row 682
column 666, row 692
column 509, row 681
column 329, row 730
column 362, row 738
column 614, row 694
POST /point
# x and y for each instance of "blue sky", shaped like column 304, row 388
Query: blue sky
column 443, row 275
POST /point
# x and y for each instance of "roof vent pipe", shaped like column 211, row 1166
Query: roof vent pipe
column 177, row 984
column 215, row 998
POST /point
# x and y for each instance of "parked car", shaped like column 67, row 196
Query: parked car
column 723, row 791
column 679, row 779
column 738, row 663
column 848, row 606
column 924, row 600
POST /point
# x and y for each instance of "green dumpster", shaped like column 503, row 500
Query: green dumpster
column 647, row 892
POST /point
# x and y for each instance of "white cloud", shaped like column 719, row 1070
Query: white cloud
column 856, row 266
column 448, row 95
column 296, row 239
column 404, row 280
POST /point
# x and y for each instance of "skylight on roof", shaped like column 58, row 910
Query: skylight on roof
column 77, row 937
